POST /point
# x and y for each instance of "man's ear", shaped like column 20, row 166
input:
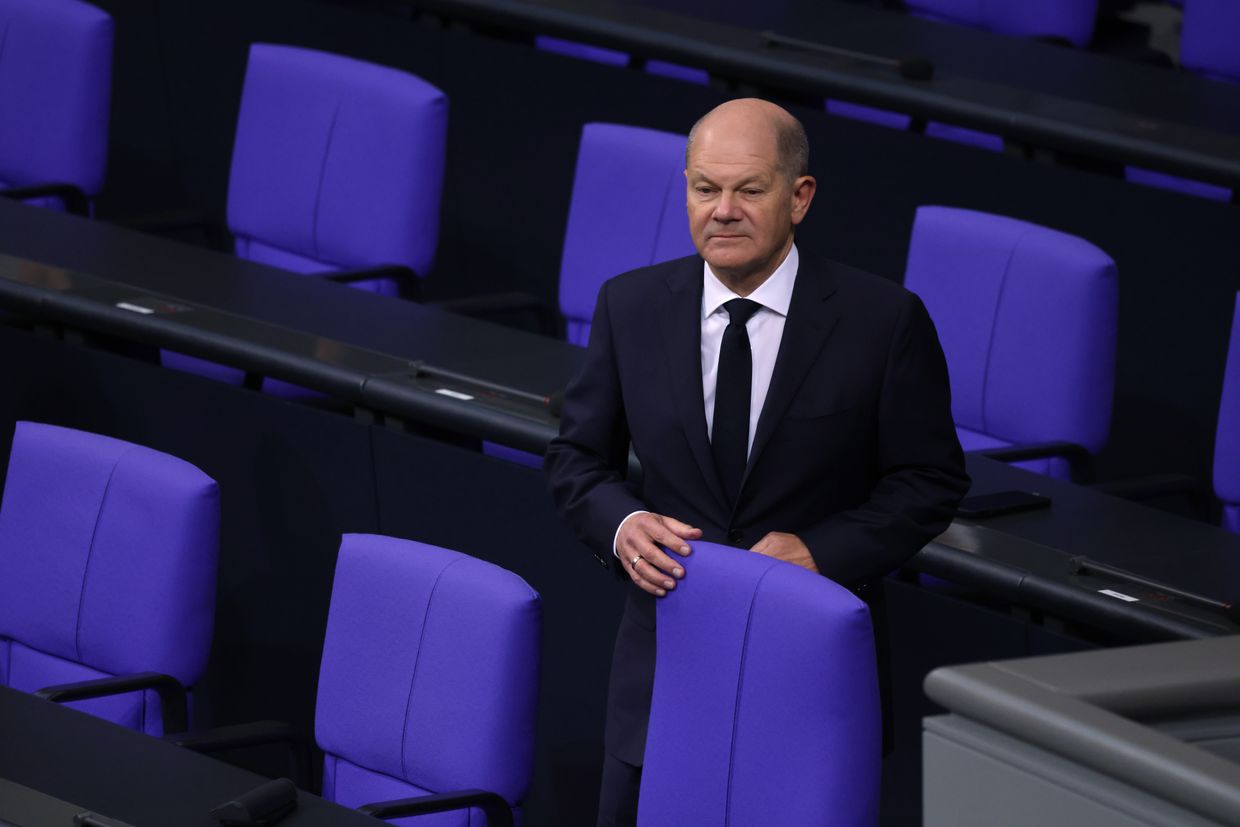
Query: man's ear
column 803, row 189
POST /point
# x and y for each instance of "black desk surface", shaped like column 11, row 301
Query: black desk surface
column 301, row 304
column 1026, row 558
column 125, row 775
column 356, row 345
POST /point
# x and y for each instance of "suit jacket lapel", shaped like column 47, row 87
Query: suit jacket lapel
column 681, row 322
column 811, row 318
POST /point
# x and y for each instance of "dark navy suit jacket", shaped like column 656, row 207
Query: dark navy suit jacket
column 855, row 451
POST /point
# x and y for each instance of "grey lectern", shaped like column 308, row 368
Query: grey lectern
column 1144, row 735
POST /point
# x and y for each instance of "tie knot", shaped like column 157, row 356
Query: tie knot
column 740, row 310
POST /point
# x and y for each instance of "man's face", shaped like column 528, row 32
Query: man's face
column 742, row 206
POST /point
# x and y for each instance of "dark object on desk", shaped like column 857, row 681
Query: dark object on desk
column 1001, row 502
column 263, row 805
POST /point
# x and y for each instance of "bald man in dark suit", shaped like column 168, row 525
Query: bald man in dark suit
column 797, row 408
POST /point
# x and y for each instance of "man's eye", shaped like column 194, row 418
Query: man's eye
column 704, row 190
column 751, row 191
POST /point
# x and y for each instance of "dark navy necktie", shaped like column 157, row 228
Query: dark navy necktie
column 729, row 436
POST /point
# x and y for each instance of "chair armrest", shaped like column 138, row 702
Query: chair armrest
column 494, row 807
column 498, row 304
column 74, row 198
column 1080, row 461
column 1154, row 486
column 171, row 693
column 258, row 733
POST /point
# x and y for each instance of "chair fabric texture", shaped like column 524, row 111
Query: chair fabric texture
column 55, row 91
column 1027, row 317
column 107, row 567
column 1208, row 39
column 1227, row 436
column 627, row 211
column 1070, row 20
column 337, row 164
column 429, row 677
column 766, row 705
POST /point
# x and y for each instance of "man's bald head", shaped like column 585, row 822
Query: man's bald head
column 787, row 134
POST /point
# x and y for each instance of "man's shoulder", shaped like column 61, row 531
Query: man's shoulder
column 856, row 284
column 671, row 274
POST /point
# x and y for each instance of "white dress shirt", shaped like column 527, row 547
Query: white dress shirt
column 765, row 329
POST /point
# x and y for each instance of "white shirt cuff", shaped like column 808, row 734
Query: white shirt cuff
column 616, row 538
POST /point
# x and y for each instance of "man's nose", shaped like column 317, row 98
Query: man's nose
column 725, row 208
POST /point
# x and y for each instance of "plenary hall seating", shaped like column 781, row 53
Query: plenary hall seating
column 337, row 168
column 55, row 90
column 627, row 211
column 766, row 705
column 1027, row 317
column 107, row 575
column 428, row 683
column 337, row 171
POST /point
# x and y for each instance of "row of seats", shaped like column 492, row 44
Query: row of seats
column 337, row 165
column 429, row 676
column 1206, row 48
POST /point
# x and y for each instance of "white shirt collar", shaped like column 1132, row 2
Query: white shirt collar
column 774, row 294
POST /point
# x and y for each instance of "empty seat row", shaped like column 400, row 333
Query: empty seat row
column 429, row 676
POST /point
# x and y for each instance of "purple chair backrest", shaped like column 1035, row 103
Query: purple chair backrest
column 1072, row 20
column 1227, row 437
column 628, row 211
column 766, row 706
column 429, row 678
column 338, row 163
column 1027, row 317
column 55, row 86
column 107, row 566
column 1208, row 40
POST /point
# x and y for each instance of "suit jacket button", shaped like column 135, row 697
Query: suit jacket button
column 734, row 536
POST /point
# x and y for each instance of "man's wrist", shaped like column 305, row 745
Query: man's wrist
column 615, row 540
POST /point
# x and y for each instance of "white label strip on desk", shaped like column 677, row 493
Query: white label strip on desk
column 136, row 308
column 1127, row 598
column 464, row 397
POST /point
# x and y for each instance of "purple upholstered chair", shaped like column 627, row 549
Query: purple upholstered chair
column 429, row 678
column 107, row 574
column 338, row 165
column 1027, row 318
column 1207, row 47
column 1227, row 437
column 1069, row 20
column 627, row 211
column 337, row 171
column 55, row 85
column 1208, row 39
column 766, row 705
